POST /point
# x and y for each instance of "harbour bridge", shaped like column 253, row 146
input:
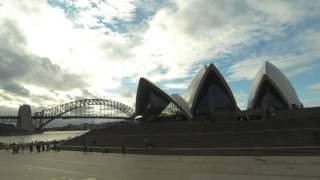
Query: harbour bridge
column 85, row 108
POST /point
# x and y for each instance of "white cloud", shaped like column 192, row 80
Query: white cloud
column 180, row 36
column 290, row 64
column 293, row 63
column 172, row 42
column 176, row 85
column 241, row 99
column 315, row 87
column 110, row 11
column 166, row 47
column 287, row 11
column 311, row 103
column 50, row 34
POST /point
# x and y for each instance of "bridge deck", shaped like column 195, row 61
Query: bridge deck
column 67, row 117
column 8, row 117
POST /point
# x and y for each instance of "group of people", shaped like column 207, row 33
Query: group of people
column 316, row 137
column 123, row 149
column 34, row 146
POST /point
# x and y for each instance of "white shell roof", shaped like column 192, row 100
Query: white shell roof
column 279, row 80
column 194, row 86
column 183, row 105
column 175, row 98
column 197, row 83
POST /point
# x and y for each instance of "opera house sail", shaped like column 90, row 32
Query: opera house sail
column 272, row 89
column 151, row 101
column 209, row 93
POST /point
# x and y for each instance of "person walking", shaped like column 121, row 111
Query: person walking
column 123, row 149
column 31, row 147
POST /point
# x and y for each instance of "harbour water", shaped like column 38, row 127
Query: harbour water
column 45, row 136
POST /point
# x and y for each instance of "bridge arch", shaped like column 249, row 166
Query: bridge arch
column 44, row 117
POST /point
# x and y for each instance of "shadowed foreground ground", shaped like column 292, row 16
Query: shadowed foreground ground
column 96, row 166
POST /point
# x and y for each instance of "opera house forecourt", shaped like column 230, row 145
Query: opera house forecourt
column 207, row 120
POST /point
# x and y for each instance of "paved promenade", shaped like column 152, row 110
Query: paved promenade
column 71, row 165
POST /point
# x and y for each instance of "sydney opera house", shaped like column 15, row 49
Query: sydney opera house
column 207, row 120
column 209, row 94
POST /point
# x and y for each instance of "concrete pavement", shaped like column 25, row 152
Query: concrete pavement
column 72, row 165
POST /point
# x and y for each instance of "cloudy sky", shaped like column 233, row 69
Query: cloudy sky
column 57, row 51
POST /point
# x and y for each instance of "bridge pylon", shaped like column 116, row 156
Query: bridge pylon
column 25, row 121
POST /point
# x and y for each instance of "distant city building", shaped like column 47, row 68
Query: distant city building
column 272, row 89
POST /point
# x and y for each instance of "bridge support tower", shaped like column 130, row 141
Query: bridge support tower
column 25, row 121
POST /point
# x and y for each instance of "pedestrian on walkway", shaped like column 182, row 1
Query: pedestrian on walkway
column 123, row 149
column 31, row 147
column 38, row 147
